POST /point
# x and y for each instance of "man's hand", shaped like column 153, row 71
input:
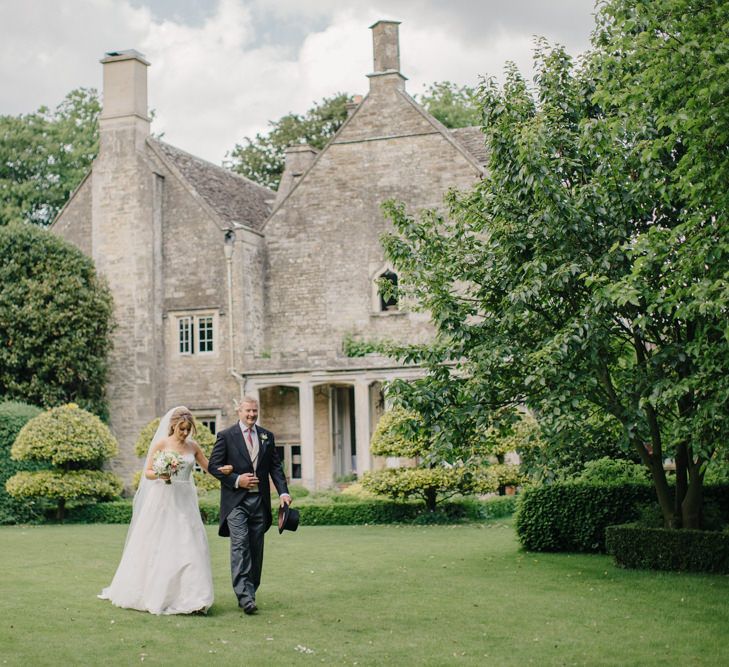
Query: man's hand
column 285, row 499
column 247, row 480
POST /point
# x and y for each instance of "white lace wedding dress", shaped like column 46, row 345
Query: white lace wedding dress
column 165, row 567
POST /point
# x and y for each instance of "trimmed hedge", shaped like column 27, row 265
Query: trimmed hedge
column 573, row 516
column 330, row 514
column 115, row 511
column 13, row 416
column 635, row 546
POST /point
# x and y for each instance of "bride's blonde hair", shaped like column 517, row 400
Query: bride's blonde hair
column 182, row 415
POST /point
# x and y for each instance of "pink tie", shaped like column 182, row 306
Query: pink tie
column 249, row 442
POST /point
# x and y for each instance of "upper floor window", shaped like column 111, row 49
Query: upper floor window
column 195, row 334
column 388, row 291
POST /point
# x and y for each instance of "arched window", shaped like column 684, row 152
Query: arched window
column 388, row 292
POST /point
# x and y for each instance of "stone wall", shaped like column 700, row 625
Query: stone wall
column 323, row 242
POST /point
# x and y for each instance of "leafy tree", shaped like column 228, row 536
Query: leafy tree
column 55, row 321
column 589, row 268
column 45, row 155
column 451, row 104
column 400, row 433
column 262, row 159
column 76, row 444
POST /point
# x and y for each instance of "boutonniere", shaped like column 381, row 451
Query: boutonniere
column 263, row 437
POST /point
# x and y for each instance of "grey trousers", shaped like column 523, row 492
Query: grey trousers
column 246, row 525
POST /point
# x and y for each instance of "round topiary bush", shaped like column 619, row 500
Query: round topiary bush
column 13, row 416
column 202, row 436
column 76, row 444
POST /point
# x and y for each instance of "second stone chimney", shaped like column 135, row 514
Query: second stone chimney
column 386, row 56
column 298, row 160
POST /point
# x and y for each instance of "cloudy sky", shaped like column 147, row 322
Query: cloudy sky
column 221, row 69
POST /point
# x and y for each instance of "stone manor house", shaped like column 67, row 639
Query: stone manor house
column 223, row 288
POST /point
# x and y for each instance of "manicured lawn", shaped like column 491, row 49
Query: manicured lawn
column 364, row 595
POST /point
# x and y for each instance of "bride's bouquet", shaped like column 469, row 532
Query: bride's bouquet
column 167, row 463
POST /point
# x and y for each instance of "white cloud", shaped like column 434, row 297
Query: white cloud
column 215, row 80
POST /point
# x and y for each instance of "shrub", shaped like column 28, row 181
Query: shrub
column 635, row 546
column 573, row 516
column 329, row 512
column 76, row 443
column 75, row 485
column 13, row 416
column 116, row 511
column 55, row 321
column 609, row 470
column 425, row 483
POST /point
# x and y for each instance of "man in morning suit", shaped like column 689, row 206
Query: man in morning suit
column 245, row 496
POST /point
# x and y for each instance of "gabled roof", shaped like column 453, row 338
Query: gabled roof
column 473, row 140
column 232, row 197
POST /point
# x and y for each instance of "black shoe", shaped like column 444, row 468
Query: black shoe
column 250, row 608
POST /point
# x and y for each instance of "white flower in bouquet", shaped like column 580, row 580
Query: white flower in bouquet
column 167, row 463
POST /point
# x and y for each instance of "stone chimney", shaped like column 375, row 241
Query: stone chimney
column 352, row 106
column 126, row 243
column 125, row 95
column 386, row 52
column 298, row 160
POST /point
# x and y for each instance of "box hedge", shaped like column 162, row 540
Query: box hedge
column 635, row 546
column 331, row 513
column 573, row 516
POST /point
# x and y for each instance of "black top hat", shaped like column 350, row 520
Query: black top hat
column 288, row 518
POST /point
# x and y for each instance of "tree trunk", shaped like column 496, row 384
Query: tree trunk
column 693, row 501
column 663, row 493
column 61, row 511
column 682, row 463
column 430, row 499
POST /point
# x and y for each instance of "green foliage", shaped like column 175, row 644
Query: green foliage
column 82, row 485
column 429, row 484
column 203, row 437
column 45, row 155
column 76, row 443
column 393, row 435
column 451, row 104
column 405, row 433
column 582, row 435
column 112, row 511
column 354, row 347
column 55, row 321
column 13, row 416
column 586, row 273
column 329, row 512
column 572, row 516
column 607, row 470
column 66, row 437
column 381, row 511
column 494, row 477
column 635, row 546
column 262, row 159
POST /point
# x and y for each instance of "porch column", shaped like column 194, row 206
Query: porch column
column 362, row 425
column 306, row 429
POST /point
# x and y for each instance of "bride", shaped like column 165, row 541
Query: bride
column 165, row 566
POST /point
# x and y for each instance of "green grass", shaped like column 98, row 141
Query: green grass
column 366, row 595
